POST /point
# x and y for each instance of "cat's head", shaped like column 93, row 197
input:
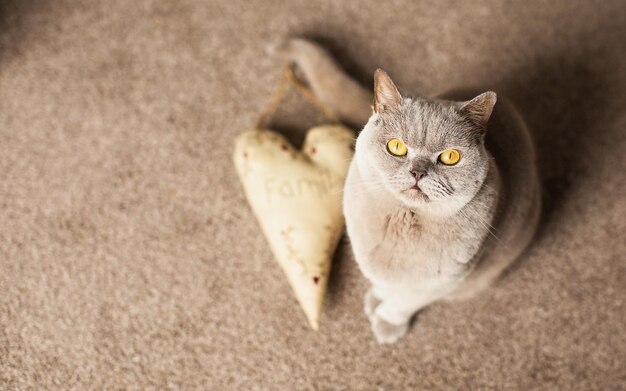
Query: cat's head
column 428, row 154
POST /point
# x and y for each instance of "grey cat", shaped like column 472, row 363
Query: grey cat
column 436, row 207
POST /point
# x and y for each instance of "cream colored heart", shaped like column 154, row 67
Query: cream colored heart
column 296, row 196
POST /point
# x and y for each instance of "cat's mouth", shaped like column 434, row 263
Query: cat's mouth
column 415, row 192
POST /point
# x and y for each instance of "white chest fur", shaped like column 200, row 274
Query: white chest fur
column 395, row 246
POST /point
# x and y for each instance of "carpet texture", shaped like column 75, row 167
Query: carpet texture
column 129, row 258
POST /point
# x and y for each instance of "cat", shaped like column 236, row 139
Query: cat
column 436, row 206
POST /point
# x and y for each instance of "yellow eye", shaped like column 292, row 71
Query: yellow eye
column 450, row 157
column 396, row 147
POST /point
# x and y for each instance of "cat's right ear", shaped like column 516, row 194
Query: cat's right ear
column 480, row 108
column 386, row 95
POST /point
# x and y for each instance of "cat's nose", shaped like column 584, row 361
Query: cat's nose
column 418, row 174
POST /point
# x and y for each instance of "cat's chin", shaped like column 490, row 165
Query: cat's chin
column 413, row 197
column 417, row 200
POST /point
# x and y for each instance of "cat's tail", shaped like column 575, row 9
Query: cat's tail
column 332, row 85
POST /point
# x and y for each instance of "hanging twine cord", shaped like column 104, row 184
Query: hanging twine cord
column 289, row 78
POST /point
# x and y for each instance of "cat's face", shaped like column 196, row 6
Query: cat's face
column 428, row 154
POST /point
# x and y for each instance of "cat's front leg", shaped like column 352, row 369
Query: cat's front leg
column 371, row 300
column 391, row 319
column 384, row 331
column 387, row 332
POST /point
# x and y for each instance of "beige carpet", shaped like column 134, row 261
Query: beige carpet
column 129, row 258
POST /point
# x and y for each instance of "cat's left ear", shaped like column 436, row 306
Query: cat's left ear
column 480, row 108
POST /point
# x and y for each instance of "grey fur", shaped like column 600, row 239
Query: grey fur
column 471, row 221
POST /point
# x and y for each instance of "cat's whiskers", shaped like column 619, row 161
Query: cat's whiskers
column 475, row 216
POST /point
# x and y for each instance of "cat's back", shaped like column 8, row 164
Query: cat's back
column 509, row 141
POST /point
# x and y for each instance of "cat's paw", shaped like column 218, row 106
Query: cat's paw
column 386, row 332
column 370, row 302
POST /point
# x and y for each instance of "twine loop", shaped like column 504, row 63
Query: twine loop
column 289, row 78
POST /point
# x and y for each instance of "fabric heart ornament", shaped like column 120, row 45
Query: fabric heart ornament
column 296, row 196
